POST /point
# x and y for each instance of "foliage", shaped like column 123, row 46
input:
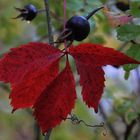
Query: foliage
column 134, row 6
column 133, row 51
column 128, row 32
column 32, row 70
column 15, row 32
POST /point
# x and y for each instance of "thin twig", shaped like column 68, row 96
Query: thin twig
column 50, row 35
column 37, row 131
column 76, row 121
column 109, row 125
column 47, row 136
column 129, row 129
column 138, row 78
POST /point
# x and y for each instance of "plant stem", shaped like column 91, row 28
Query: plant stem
column 49, row 27
column 37, row 131
column 47, row 136
column 93, row 12
column 114, row 134
column 50, row 37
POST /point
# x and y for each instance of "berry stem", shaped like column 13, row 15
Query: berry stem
column 49, row 26
column 41, row 11
column 93, row 12
column 64, row 7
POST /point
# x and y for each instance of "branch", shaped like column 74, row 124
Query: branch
column 49, row 26
column 47, row 136
column 37, row 131
column 109, row 125
column 130, row 127
column 138, row 78
column 50, row 36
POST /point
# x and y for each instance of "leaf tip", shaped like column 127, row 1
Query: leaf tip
column 96, row 110
column 13, row 111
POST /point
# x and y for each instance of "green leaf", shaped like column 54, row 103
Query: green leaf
column 135, row 8
column 123, row 106
column 75, row 5
column 87, row 6
column 126, row 75
column 134, row 52
column 128, row 32
column 138, row 111
column 104, row 1
column 131, row 137
column 131, row 116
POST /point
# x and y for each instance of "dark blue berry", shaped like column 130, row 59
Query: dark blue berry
column 122, row 6
column 28, row 13
column 79, row 26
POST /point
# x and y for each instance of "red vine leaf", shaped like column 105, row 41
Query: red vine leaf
column 98, row 55
column 33, row 71
column 89, row 61
column 29, row 68
column 26, row 59
column 56, row 101
column 33, row 84
column 92, row 80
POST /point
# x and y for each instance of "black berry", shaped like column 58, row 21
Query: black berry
column 79, row 26
column 123, row 6
column 28, row 13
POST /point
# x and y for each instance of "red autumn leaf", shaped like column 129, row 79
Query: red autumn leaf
column 98, row 55
column 26, row 92
column 92, row 80
column 29, row 68
column 89, row 61
column 56, row 101
column 33, row 72
column 26, row 59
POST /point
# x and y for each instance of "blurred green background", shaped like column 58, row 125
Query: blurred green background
column 120, row 105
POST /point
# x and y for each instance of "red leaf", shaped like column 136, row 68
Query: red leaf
column 89, row 60
column 57, row 100
column 95, row 54
column 29, row 68
column 24, row 59
column 92, row 80
column 32, row 70
column 33, row 84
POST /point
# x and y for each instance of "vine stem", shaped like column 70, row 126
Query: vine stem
column 64, row 22
column 49, row 26
column 50, row 37
column 47, row 136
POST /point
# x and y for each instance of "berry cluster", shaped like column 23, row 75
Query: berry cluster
column 77, row 27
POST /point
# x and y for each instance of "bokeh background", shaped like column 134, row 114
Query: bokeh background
column 120, row 104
